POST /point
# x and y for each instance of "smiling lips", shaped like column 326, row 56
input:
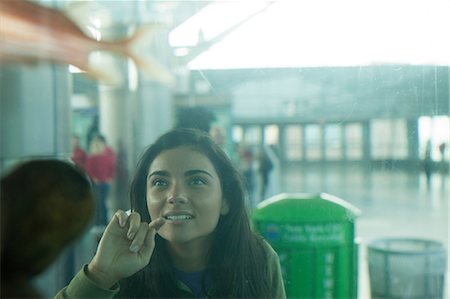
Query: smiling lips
column 178, row 216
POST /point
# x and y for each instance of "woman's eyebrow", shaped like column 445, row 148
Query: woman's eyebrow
column 196, row 171
column 159, row 172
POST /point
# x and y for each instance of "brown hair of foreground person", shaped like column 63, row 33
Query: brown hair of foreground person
column 45, row 205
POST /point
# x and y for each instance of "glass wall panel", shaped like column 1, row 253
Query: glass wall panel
column 237, row 134
column 379, row 144
column 353, row 141
column 399, row 134
column 271, row 134
column 294, row 143
column 436, row 130
column 333, row 142
column 379, row 101
column 253, row 135
column 389, row 139
column 313, row 141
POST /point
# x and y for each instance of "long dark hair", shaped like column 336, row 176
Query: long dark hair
column 237, row 261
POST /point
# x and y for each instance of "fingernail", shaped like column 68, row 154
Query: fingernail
column 134, row 248
column 130, row 235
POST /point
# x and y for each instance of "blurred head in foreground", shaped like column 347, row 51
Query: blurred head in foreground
column 45, row 204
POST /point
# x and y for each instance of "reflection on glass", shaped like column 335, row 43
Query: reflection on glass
column 354, row 96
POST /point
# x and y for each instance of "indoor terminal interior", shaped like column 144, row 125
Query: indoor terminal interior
column 348, row 99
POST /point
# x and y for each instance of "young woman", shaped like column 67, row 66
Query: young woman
column 188, row 235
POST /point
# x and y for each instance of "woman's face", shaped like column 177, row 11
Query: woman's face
column 184, row 188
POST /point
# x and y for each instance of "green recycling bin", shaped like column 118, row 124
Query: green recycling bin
column 314, row 236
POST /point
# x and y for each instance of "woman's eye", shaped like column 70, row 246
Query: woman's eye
column 159, row 182
column 198, row 181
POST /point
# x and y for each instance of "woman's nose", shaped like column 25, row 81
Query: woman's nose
column 176, row 194
column 177, row 199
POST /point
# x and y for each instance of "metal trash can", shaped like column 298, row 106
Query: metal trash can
column 314, row 237
column 406, row 268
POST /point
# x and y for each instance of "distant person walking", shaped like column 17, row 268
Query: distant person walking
column 427, row 163
column 265, row 166
column 101, row 167
column 246, row 158
column 442, row 148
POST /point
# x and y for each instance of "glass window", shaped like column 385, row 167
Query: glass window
column 389, row 139
column 252, row 135
column 294, row 142
column 333, row 142
column 435, row 129
column 237, row 134
column 313, row 142
column 353, row 141
column 362, row 82
column 271, row 135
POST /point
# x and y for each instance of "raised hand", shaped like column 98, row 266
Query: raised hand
column 125, row 248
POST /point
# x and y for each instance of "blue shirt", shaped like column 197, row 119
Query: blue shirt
column 194, row 280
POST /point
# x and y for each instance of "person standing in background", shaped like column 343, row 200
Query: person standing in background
column 428, row 163
column 442, row 147
column 265, row 166
column 101, row 167
column 246, row 160
column 79, row 155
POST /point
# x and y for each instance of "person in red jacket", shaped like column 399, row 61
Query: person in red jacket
column 101, row 167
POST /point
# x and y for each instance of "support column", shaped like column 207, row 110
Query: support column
column 154, row 112
column 115, row 119
column 366, row 138
column 262, row 134
column 35, row 124
column 34, row 113
column 323, row 154
column 282, row 143
column 133, row 114
column 344, row 141
column 244, row 134
column 303, row 145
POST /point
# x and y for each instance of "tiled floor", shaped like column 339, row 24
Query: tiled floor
column 393, row 203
